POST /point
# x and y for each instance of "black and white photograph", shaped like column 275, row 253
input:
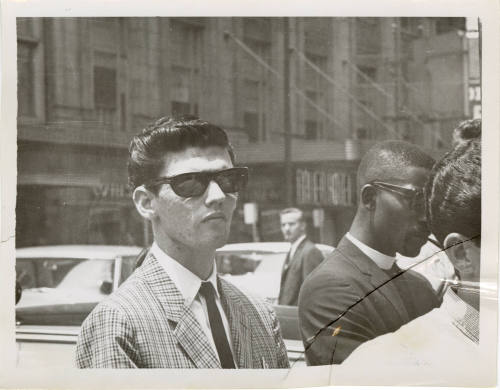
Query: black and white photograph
column 300, row 195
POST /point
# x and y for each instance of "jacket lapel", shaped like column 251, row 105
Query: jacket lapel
column 286, row 265
column 239, row 324
column 187, row 330
column 194, row 341
column 289, row 261
column 377, row 278
column 389, row 290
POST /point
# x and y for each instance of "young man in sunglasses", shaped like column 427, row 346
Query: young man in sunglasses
column 358, row 292
column 174, row 311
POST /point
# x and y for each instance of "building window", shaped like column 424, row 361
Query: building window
column 104, row 87
column 26, row 78
column 412, row 27
column 444, row 25
column 25, row 28
column 251, row 125
column 312, row 130
column 319, row 60
column 254, row 116
column 368, row 36
column 258, row 29
column 314, row 120
column 317, row 35
column 363, row 133
column 254, row 79
column 123, row 112
column 187, row 57
column 124, row 39
column 366, row 73
column 315, row 40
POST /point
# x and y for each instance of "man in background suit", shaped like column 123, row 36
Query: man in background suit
column 302, row 258
column 358, row 292
column 174, row 311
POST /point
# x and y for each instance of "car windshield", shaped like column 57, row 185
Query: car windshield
column 255, row 272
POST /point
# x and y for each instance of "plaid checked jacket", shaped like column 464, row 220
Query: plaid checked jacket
column 145, row 324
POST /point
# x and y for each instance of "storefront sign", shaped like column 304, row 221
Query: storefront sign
column 111, row 191
column 318, row 187
column 264, row 187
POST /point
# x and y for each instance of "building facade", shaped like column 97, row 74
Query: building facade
column 87, row 85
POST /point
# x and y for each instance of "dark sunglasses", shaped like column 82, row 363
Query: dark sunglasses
column 191, row 184
column 414, row 196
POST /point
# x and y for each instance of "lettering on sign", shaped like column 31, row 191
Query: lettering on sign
column 111, row 191
column 318, row 187
column 263, row 189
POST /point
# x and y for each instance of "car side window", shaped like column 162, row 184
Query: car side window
column 41, row 272
column 237, row 263
column 26, row 273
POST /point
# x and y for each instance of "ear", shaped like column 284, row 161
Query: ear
column 456, row 249
column 144, row 202
column 368, row 196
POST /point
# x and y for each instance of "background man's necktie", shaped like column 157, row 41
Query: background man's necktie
column 217, row 327
column 287, row 260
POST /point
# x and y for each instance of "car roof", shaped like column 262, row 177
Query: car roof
column 110, row 251
column 77, row 251
column 256, row 246
column 274, row 247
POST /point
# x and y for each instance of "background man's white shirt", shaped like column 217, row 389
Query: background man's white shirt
column 295, row 245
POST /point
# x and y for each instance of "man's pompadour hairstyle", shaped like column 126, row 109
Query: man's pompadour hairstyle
column 147, row 149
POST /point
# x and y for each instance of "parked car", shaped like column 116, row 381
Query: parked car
column 71, row 274
column 62, row 284
column 255, row 267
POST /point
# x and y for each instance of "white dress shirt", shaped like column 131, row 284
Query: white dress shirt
column 383, row 261
column 295, row 245
column 189, row 285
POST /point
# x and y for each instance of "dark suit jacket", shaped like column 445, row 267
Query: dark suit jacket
column 146, row 324
column 305, row 259
column 348, row 300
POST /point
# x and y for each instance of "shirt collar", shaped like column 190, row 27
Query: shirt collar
column 383, row 261
column 186, row 282
column 296, row 243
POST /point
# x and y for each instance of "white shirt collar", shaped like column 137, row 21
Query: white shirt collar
column 295, row 244
column 186, row 282
column 383, row 261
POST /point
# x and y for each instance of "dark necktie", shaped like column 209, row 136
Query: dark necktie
column 287, row 260
column 394, row 271
column 217, row 327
